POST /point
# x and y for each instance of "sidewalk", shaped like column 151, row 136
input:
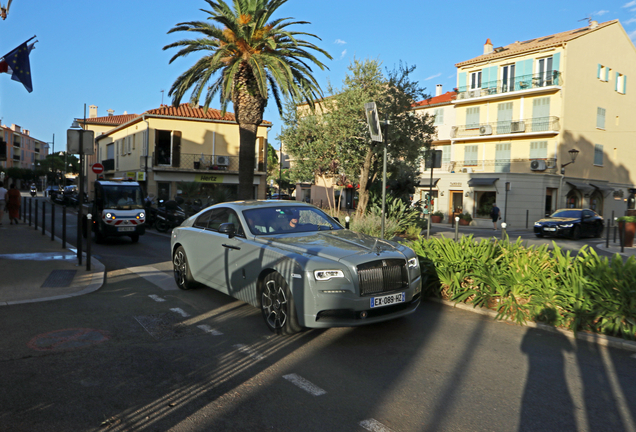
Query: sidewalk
column 34, row 268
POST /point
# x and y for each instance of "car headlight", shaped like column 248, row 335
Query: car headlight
column 110, row 216
column 537, row 224
column 325, row 275
column 566, row 226
column 141, row 215
column 413, row 263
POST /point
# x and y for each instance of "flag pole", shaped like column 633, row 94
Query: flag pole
column 27, row 41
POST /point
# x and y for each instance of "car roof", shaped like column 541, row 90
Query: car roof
column 247, row 205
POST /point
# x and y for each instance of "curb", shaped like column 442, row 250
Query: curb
column 602, row 340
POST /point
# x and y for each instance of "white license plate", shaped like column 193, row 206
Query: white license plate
column 388, row 300
column 549, row 229
column 125, row 229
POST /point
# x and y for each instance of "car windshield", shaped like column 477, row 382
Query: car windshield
column 567, row 214
column 288, row 219
column 123, row 197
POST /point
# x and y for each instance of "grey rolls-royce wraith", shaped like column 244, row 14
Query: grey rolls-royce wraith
column 297, row 264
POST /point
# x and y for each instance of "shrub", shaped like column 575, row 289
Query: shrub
column 438, row 213
column 466, row 216
column 627, row 219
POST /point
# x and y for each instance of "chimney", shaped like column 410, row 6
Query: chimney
column 92, row 111
column 593, row 24
column 487, row 47
column 110, row 112
column 438, row 90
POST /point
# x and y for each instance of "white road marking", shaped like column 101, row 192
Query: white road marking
column 162, row 279
column 249, row 351
column 374, row 426
column 180, row 312
column 206, row 328
column 156, row 298
column 301, row 382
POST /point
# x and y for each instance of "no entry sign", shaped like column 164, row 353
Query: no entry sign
column 98, row 168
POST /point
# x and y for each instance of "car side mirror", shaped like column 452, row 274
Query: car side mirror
column 227, row 228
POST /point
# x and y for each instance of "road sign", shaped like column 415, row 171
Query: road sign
column 98, row 168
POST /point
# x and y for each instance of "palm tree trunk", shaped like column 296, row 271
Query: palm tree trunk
column 363, row 192
column 247, row 161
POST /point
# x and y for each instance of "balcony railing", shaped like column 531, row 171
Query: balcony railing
column 540, row 124
column 523, row 82
column 199, row 162
column 517, row 165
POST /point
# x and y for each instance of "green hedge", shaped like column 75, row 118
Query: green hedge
column 582, row 292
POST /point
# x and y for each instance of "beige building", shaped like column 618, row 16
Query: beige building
column 524, row 110
column 170, row 149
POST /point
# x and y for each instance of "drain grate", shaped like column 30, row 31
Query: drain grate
column 165, row 326
column 59, row 279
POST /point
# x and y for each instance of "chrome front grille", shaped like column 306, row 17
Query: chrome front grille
column 382, row 276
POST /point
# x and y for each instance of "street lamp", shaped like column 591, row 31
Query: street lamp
column 573, row 154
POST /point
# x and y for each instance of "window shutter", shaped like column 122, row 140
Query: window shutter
column 598, row 154
column 616, row 85
column 461, row 84
column 176, row 149
column 624, row 84
column 156, row 153
column 598, row 72
column 607, row 73
column 600, row 118
column 556, row 62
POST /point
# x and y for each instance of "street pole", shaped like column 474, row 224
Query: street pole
column 386, row 129
column 430, row 198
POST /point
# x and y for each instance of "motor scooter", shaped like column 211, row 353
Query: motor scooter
column 34, row 191
column 169, row 215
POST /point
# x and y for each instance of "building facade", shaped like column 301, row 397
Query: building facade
column 542, row 124
column 22, row 150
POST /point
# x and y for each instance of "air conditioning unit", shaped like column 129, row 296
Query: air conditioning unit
column 453, row 132
column 485, row 130
column 222, row 160
column 538, row 165
column 551, row 163
column 518, row 126
column 467, row 170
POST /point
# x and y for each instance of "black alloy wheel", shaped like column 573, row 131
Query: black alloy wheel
column 161, row 226
column 598, row 231
column 277, row 306
column 576, row 232
column 182, row 275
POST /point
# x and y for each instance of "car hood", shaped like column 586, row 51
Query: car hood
column 559, row 220
column 336, row 245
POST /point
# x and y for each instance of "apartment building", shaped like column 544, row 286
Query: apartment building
column 542, row 124
column 22, row 150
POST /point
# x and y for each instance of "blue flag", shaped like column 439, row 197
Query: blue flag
column 18, row 61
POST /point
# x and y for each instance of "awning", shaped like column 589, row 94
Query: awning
column 482, row 181
column 583, row 187
column 605, row 189
column 426, row 182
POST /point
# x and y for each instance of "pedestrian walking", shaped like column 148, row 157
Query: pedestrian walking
column 13, row 200
column 3, row 203
column 495, row 215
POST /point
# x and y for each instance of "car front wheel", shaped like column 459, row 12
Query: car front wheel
column 576, row 233
column 182, row 274
column 277, row 306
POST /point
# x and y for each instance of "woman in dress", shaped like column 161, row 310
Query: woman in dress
column 13, row 199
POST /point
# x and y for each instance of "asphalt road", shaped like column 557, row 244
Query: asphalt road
column 136, row 355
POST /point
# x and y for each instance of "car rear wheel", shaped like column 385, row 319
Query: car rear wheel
column 599, row 231
column 576, row 233
column 277, row 305
column 182, row 274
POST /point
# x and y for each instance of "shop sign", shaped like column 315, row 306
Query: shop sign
column 455, row 184
column 208, row 178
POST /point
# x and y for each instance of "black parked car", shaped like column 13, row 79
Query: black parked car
column 573, row 223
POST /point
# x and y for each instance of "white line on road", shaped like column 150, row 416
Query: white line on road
column 180, row 312
column 156, row 276
column 156, row 298
column 374, row 426
column 249, row 351
column 301, row 382
column 206, row 328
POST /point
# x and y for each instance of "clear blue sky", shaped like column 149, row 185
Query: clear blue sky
column 109, row 53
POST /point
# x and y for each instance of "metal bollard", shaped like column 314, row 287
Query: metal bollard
column 607, row 232
column 621, row 235
column 35, row 220
column 88, row 242
column 30, row 205
column 23, row 209
column 503, row 230
column 52, row 222
column 527, row 217
column 615, row 228
column 43, row 216
column 456, row 228
column 63, row 227
column 347, row 219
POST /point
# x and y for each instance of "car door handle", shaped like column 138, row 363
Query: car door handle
column 230, row 246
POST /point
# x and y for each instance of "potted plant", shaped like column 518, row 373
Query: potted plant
column 436, row 217
column 465, row 219
column 627, row 225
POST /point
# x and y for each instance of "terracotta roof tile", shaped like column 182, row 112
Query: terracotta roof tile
column 114, row 120
column 436, row 100
column 537, row 43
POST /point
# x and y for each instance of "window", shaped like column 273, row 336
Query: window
column 129, row 144
column 598, row 155
column 475, row 80
column 504, row 117
column 544, row 72
column 621, row 83
column 484, row 202
column 110, row 151
column 472, row 118
column 541, row 114
column 508, row 78
column 446, row 154
column 602, row 72
column 600, row 118
column 502, row 157
column 470, row 154
column 133, row 141
column 439, row 117
column 538, row 150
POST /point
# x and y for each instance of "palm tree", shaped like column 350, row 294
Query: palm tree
column 246, row 54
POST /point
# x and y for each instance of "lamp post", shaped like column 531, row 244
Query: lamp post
column 573, row 154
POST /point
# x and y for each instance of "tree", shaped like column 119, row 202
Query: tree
column 246, row 55
column 337, row 141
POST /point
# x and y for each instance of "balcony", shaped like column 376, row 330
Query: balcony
column 536, row 126
column 521, row 165
column 519, row 83
column 109, row 164
column 201, row 162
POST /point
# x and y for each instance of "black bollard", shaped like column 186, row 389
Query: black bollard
column 52, row 222
column 30, row 205
column 88, row 243
column 35, row 213
column 621, row 235
column 615, row 228
column 43, row 216
column 23, row 209
column 63, row 227
column 456, row 228
column 607, row 233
